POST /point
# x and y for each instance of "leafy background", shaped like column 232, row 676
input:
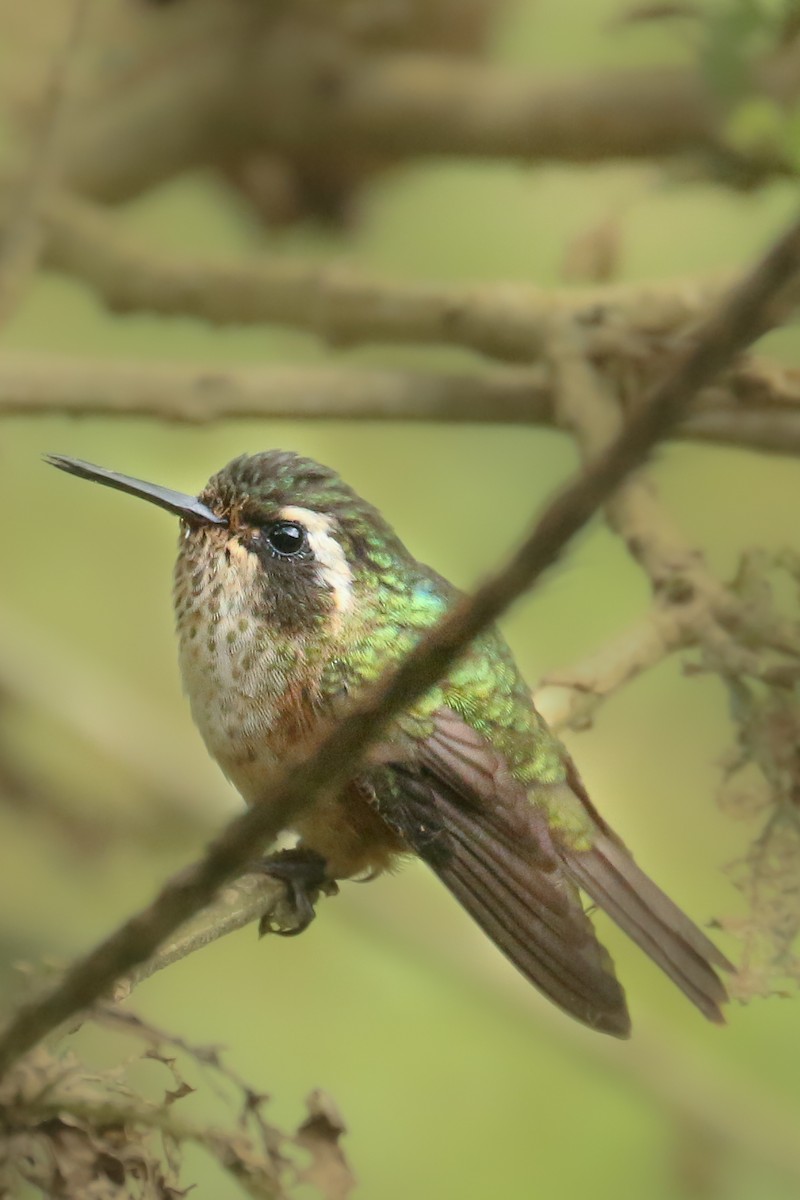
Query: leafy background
column 455, row 1079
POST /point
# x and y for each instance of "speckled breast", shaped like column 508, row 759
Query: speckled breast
column 247, row 689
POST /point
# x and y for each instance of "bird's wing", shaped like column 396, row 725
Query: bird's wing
column 459, row 809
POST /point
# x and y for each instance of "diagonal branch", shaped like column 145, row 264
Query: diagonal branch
column 335, row 755
column 250, row 898
column 568, row 697
column 588, row 407
column 692, row 607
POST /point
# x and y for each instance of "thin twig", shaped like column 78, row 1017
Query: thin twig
column 336, row 754
column 688, row 598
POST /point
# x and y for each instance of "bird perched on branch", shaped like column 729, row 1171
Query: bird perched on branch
column 293, row 594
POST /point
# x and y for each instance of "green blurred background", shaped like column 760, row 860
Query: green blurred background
column 455, row 1079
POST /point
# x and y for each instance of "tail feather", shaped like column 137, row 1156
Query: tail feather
column 508, row 854
column 514, row 909
column 552, row 944
column 608, row 874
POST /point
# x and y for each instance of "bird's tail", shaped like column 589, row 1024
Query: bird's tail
column 533, row 913
column 607, row 873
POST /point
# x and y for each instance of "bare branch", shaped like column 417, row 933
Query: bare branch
column 570, row 696
column 770, row 431
column 692, row 607
column 741, row 1121
column 335, row 755
column 230, row 79
column 246, row 900
column 232, row 82
column 416, row 104
column 31, row 385
column 762, row 384
column 510, row 322
column 588, row 407
column 756, row 405
column 688, row 599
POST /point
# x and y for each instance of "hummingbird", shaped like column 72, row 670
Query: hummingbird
column 291, row 594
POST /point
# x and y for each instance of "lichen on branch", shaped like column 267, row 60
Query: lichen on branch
column 75, row 1131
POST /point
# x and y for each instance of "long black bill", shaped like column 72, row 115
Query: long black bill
column 188, row 507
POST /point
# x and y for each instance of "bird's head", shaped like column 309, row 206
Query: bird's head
column 280, row 531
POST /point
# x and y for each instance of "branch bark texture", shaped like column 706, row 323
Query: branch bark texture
column 508, row 322
column 755, row 405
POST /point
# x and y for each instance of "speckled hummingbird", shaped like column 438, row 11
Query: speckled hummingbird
column 292, row 593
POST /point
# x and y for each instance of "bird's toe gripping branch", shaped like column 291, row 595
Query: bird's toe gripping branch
column 304, row 874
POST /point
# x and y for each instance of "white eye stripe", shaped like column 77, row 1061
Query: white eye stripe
column 332, row 565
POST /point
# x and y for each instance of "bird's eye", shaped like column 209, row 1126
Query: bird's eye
column 287, row 539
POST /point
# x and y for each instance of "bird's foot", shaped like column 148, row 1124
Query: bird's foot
column 303, row 873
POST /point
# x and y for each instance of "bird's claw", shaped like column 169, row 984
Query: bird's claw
column 303, row 873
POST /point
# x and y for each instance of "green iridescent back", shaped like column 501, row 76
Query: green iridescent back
column 395, row 600
column 485, row 687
